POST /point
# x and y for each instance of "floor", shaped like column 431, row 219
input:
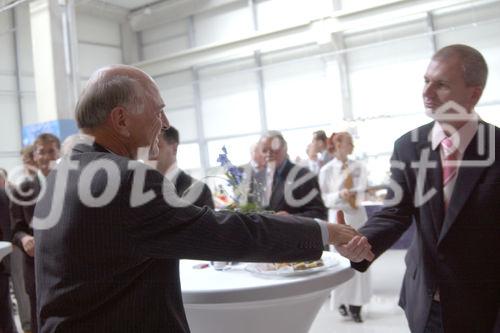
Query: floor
column 382, row 314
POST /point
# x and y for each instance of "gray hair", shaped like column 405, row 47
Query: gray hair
column 105, row 90
column 474, row 66
column 275, row 134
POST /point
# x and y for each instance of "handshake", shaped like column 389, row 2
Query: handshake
column 348, row 242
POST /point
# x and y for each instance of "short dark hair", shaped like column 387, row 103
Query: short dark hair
column 171, row 135
column 47, row 138
column 474, row 66
column 320, row 135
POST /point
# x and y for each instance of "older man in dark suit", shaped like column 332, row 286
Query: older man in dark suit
column 447, row 178
column 108, row 262
column 289, row 188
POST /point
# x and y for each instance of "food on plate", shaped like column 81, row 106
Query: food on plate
column 295, row 266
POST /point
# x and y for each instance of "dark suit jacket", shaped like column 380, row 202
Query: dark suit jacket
column 454, row 251
column 21, row 216
column 286, row 181
column 114, row 267
column 4, row 226
column 182, row 183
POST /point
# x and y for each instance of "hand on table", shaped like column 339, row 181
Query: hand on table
column 355, row 248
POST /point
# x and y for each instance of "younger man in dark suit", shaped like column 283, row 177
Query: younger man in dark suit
column 187, row 187
column 447, row 178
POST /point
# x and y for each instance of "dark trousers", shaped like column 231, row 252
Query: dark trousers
column 7, row 324
column 434, row 321
column 29, row 285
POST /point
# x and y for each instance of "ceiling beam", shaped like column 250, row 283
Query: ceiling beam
column 102, row 9
column 364, row 18
column 169, row 11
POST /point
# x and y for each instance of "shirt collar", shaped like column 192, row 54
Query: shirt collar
column 172, row 172
column 464, row 134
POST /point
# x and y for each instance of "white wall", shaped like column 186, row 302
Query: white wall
column 303, row 83
column 222, row 24
column 10, row 125
column 99, row 43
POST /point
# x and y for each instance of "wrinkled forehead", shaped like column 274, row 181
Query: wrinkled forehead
column 272, row 143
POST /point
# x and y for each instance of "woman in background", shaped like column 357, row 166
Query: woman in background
column 343, row 182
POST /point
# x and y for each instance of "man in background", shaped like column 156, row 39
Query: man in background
column 290, row 189
column 319, row 145
column 45, row 152
column 187, row 187
column 254, row 176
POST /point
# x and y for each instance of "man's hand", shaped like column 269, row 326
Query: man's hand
column 28, row 245
column 282, row 212
column 356, row 248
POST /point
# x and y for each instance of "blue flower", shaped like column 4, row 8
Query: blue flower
column 233, row 173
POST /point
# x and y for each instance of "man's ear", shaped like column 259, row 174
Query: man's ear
column 476, row 95
column 119, row 120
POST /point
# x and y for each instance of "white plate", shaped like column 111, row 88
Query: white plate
column 329, row 260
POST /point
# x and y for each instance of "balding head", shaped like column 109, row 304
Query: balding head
column 475, row 69
column 109, row 87
column 122, row 109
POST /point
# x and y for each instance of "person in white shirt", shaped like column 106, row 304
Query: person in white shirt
column 342, row 182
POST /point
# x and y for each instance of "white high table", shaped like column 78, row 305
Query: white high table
column 237, row 301
column 5, row 249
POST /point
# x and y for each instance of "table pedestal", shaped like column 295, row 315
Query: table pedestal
column 288, row 315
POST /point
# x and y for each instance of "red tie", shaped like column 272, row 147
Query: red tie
column 449, row 162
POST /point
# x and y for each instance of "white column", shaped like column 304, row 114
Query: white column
column 53, row 35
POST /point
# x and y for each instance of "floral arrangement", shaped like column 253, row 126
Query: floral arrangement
column 236, row 199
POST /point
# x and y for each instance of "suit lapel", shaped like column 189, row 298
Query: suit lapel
column 279, row 183
column 181, row 184
column 467, row 178
column 433, row 182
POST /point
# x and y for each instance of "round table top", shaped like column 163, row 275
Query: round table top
column 5, row 249
column 236, row 284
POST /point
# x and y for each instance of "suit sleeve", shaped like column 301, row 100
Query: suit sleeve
column 20, row 227
column 385, row 227
column 168, row 227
